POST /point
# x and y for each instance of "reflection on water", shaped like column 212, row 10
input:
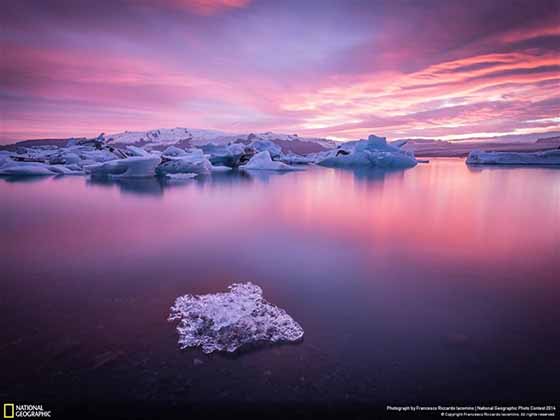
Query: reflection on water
column 406, row 283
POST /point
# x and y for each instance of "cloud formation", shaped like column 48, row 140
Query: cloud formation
column 327, row 68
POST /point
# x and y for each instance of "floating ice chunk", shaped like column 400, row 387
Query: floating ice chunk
column 133, row 167
column 192, row 162
column 91, row 156
column 548, row 157
column 227, row 321
column 220, row 168
column 262, row 145
column 173, row 151
column 137, row 151
column 263, row 162
column 70, row 158
column 25, row 169
column 65, row 169
column 373, row 152
column 180, row 176
column 292, row 158
column 226, row 155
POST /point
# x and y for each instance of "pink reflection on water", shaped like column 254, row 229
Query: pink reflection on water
column 443, row 210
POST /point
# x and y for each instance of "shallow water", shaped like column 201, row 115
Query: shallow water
column 437, row 284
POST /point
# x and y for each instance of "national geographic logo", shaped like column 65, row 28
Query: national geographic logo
column 9, row 411
column 25, row 411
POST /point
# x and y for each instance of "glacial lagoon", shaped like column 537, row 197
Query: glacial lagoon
column 407, row 283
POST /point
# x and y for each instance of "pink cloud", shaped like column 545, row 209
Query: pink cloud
column 200, row 7
column 342, row 70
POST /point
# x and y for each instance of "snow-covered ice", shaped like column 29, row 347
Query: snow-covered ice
column 263, row 162
column 373, row 152
column 548, row 157
column 227, row 321
column 197, row 137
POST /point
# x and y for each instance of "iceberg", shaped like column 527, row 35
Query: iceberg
column 230, row 155
column 192, row 162
column 10, row 167
column 548, row 157
column 263, row 162
column 132, row 167
column 262, row 145
column 295, row 159
column 373, row 152
column 13, row 168
column 180, row 176
column 219, row 168
column 174, row 151
column 227, row 321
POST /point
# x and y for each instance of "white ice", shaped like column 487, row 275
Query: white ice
column 192, row 162
column 225, row 155
column 230, row 320
column 261, row 145
column 373, row 152
column 180, row 176
column 132, row 167
column 174, row 151
column 294, row 159
column 263, row 162
column 548, row 157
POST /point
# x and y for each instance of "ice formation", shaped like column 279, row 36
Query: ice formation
column 226, row 155
column 182, row 151
column 132, row 167
column 295, row 159
column 549, row 157
column 262, row 161
column 192, row 162
column 373, row 152
column 174, row 151
column 227, row 321
column 180, row 176
column 262, row 144
column 25, row 169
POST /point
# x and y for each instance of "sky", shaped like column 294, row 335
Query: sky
column 338, row 69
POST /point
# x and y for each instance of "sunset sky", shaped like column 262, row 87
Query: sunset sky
column 339, row 69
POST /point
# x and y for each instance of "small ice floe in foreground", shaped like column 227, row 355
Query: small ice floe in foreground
column 227, row 321
column 263, row 162
column 371, row 153
column 548, row 157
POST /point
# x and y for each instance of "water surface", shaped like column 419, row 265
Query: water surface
column 438, row 284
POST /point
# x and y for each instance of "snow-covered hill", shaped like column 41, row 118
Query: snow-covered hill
column 188, row 137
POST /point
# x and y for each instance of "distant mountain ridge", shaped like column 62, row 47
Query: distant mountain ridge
column 160, row 139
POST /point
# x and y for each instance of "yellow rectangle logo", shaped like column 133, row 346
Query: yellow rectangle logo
column 9, row 411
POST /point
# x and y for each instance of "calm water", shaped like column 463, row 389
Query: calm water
column 438, row 284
